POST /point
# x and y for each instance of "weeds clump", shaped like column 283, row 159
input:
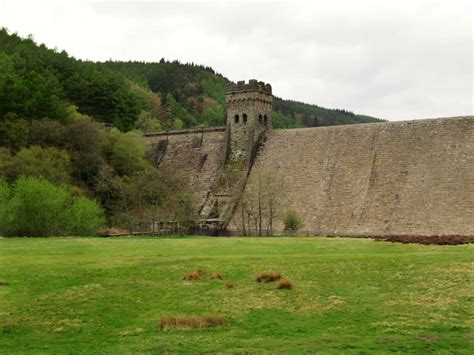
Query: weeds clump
column 194, row 275
column 284, row 284
column 216, row 276
column 268, row 276
column 4, row 283
column 192, row 322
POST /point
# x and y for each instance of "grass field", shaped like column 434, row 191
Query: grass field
column 350, row 295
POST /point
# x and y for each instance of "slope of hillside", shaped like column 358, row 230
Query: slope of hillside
column 201, row 92
column 37, row 82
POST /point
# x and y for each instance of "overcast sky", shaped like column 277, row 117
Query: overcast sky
column 395, row 59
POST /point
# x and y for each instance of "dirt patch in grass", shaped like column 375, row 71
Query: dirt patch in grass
column 192, row 322
column 268, row 276
column 436, row 240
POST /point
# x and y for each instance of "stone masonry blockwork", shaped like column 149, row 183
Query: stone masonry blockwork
column 413, row 177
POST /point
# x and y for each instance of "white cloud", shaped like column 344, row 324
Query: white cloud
column 396, row 59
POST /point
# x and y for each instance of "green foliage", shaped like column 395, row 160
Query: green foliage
column 46, row 133
column 84, row 142
column 292, row 222
column 28, row 91
column 35, row 207
column 147, row 122
column 201, row 92
column 128, row 154
column 49, row 163
column 5, row 192
column 178, row 112
column 36, row 82
column 13, row 132
column 146, row 197
column 86, row 217
column 305, row 115
column 215, row 88
column 213, row 116
column 279, row 120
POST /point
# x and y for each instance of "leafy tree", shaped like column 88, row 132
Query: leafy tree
column 84, row 143
column 86, row 217
column 178, row 112
column 213, row 116
column 13, row 132
column 34, row 207
column 279, row 120
column 51, row 164
column 147, row 123
column 47, row 133
column 128, row 154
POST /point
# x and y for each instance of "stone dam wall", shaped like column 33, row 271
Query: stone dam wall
column 397, row 178
column 198, row 153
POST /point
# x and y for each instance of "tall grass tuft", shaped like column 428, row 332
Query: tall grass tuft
column 192, row 322
column 284, row 284
column 268, row 276
column 216, row 276
column 194, row 275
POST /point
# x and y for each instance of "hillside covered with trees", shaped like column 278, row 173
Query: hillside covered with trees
column 55, row 154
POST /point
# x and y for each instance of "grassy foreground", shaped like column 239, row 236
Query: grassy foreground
column 350, row 295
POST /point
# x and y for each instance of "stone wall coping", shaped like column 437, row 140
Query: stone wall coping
column 184, row 131
column 372, row 124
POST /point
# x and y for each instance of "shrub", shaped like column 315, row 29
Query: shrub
column 35, row 207
column 128, row 154
column 189, row 322
column 86, row 217
column 292, row 222
column 49, row 163
column 284, row 284
column 268, row 276
column 194, row 275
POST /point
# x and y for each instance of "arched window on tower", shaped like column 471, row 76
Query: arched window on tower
column 265, row 120
column 260, row 119
column 236, row 118
column 244, row 118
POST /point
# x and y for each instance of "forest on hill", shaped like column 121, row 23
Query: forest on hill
column 61, row 172
column 38, row 82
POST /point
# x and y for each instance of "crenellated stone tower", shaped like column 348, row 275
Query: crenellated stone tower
column 249, row 120
column 249, row 117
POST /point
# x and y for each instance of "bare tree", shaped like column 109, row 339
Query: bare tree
column 259, row 205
